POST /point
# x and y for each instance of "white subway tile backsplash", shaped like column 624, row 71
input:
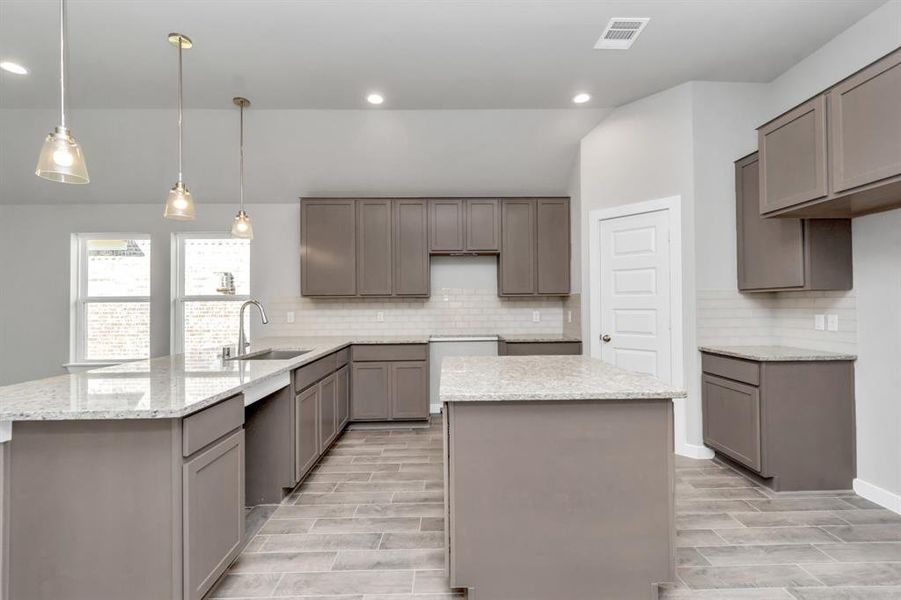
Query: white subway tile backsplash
column 728, row 317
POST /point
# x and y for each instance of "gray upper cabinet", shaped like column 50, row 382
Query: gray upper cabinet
column 553, row 246
column 411, row 248
column 793, row 157
column 483, row 225
column 213, row 513
column 374, row 248
column 535, row 247
column 839, row 154
column 446, row 226
column 865, row 133
column 328, row 247
column 786, row 254
column 517, row 268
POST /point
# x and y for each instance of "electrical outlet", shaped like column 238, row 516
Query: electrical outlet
column 380, row 317
column 536, row 316
column 832, row 322
column 819, row 322
column 289, row 317
column 569, row 316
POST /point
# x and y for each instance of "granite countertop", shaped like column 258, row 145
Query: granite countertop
column 166, row 387
column 776, row 353
column 479, row 379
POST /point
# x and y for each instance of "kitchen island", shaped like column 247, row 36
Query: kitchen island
column 558, row 479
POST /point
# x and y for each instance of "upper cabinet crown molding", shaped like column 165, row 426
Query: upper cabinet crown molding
column 838, row 154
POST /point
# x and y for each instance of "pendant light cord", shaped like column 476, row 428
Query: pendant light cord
column 242, row 157
column 180, row 175
column 62, row 63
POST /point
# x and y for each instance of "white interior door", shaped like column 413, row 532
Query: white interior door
column 635, row 293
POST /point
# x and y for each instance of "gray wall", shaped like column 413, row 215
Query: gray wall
column 34, row 271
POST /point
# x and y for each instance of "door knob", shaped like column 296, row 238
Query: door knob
column 605, row 338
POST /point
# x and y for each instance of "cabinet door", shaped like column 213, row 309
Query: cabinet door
column 553, row 246
column 342, row 395
column 213, row 513
column 483, row 225
column 328, row 412
column 793, row 157
column 446, row 226
column 411, row 248
column 306, row 442
column 517, row 270
column 732, row 419
column 369, row 385
column 865, row 125
column 328, row 248
column 409, row 390
column 374, row 265
column 770, row 251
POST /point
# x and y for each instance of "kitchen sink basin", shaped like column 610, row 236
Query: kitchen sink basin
column 271, row 355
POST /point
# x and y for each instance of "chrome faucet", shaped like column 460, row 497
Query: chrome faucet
column 242, row 339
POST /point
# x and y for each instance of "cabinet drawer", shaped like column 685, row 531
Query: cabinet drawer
column 383, row 352
column 309, row 374
column 731, row 368
column 732, row 419
column 207, row 426
column 342, row 357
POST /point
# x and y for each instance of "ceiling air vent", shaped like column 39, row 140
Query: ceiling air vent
column 621, row 33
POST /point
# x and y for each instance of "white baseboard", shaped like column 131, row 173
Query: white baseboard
column 693, row 451
column 876, row 494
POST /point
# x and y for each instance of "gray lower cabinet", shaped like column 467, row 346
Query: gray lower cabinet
column 342, row 396
column 535, row 247
column 505, row 348
column 789, row 423
column 328, row 412
column 374, row 248
column 306, row 443
column 409, row 390
column 213, row 513
column 786, row 254
column 370, row 391
column 389, row 382
column 269, row 433
column 837, row 155
column 328, row 255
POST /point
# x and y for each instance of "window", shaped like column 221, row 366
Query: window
column 111, row 298
column 212, row 280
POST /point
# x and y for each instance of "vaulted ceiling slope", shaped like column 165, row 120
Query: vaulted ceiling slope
column 437, row 54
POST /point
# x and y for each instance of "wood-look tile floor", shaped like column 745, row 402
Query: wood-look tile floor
column 367, row 524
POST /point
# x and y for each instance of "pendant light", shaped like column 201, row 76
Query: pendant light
column 61, row 158
column 179, row 204
column 241, row 227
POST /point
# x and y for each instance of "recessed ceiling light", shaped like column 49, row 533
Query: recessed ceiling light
column 581, row 98
column 375, row 98
column 12, row 67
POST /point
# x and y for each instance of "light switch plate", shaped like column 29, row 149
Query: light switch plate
column 832, row 322
column 380, row 316
column 289, row 317
column 819, row 322
column 536, row 316
column 569, row 316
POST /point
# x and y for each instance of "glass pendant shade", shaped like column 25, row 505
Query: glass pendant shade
column 179, row 204
column 242, row 227
column 61, row 159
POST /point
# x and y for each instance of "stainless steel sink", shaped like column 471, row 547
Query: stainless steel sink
column 271, row 355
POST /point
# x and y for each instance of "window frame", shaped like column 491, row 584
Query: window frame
column 79, row 299
column 177, row 285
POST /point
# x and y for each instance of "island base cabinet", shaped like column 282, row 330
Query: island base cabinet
column 564, row 500
column 213, row 513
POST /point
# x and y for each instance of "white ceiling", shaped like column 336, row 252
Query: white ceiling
column 435, row 54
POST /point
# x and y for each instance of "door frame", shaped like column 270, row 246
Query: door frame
column 672, row 205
